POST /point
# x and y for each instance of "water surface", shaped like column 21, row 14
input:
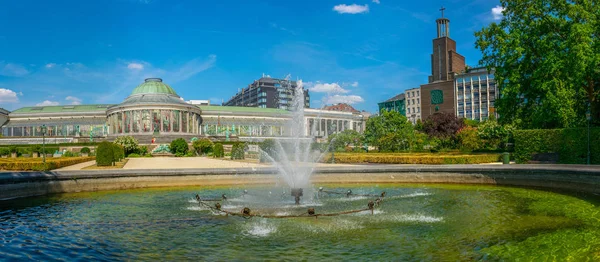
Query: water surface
column 415, row 222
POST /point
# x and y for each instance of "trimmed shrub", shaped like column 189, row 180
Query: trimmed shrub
column 237, row 151
column 202, row 146
column 218, row 150
column 570, row 144
column 134, row 155
column 179, row 147
column 129, row 144
column 118, row 152
column 86, row 150
column 36, row 164
column 468, row 138
column 105, row 154
column 13, row 149
column 412, row 158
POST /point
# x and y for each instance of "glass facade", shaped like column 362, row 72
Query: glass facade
column 475, row 95
column 156, row 120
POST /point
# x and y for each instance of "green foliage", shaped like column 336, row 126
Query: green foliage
column 36, row 148
column 13, row 149
column 268, row 148
column 4, row 151
column 104, row 154
column 218, row 151
column 546, row 56
column 237, row 151
column 471, row 123
column 344, row 139
column 189, row 154
column 569, row 143
column 133, row 155
column 413, row 158
column 179, row 147
column 118, row 152
column 129, row 144
column 142, row 150
column 68, row 154
column 194, row 139
column 390, row 131
column 202, row 146
column 36, row 164
column 468, row 138
column 85, row 150
column 494, row 135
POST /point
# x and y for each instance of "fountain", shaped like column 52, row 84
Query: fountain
column 295, row 161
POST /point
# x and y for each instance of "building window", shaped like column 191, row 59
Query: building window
column 408, row 110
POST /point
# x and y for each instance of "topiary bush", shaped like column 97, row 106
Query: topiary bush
column 68, row 154
column 118, row 152
column 179, row 147
column 85, row 150
column 237, row 151
column 36, row 149
column 203, row 146
column 218, row 150
column 570, row 144
column 105, row 154
column 129, row 144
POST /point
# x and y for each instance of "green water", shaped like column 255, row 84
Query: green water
column 425, row 222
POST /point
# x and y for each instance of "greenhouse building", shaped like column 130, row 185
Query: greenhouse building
column 153, row 110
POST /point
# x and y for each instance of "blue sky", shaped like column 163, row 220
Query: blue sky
column 97, row 51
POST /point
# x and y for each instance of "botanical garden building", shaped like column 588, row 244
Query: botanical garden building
column 154, row 110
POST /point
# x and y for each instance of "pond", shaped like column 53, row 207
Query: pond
column 414, row 222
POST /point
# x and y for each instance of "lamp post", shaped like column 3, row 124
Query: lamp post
column 44, row 129
column 588, row 115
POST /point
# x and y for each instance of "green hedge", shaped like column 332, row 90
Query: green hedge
column 237, row 151
column 571, row 144
column 218, row 150
column 36, row 164
column 422, row 159
column 104, row 154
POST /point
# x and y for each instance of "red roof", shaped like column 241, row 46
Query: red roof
column 343, row 107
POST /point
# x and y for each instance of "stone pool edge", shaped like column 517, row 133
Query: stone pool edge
column 569, row 177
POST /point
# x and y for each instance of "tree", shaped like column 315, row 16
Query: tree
column 442, row 125
column 493, row 134
column 468, row 138
column 546, row 56
column 390, row 131
column 129, row 144
column 344, row 139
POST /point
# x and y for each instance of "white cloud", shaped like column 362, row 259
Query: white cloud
column 376, row 1
column 327, row 88
column 355, row 84
column 47, row 103
column 8, row 96
column 349, row 99
column 497, row 12
column 8, row 69
column 50, row 65
column 135, row 66
column 351, row 9
column 73, row 100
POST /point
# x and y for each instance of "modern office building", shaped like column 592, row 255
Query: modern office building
column 154, row 110
column 438, row 94
column 413, row 104
column 396, row 103
column 476, row 93
column 268, row 92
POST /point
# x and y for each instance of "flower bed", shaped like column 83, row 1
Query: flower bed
column 36, row 164
column 410, row 158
